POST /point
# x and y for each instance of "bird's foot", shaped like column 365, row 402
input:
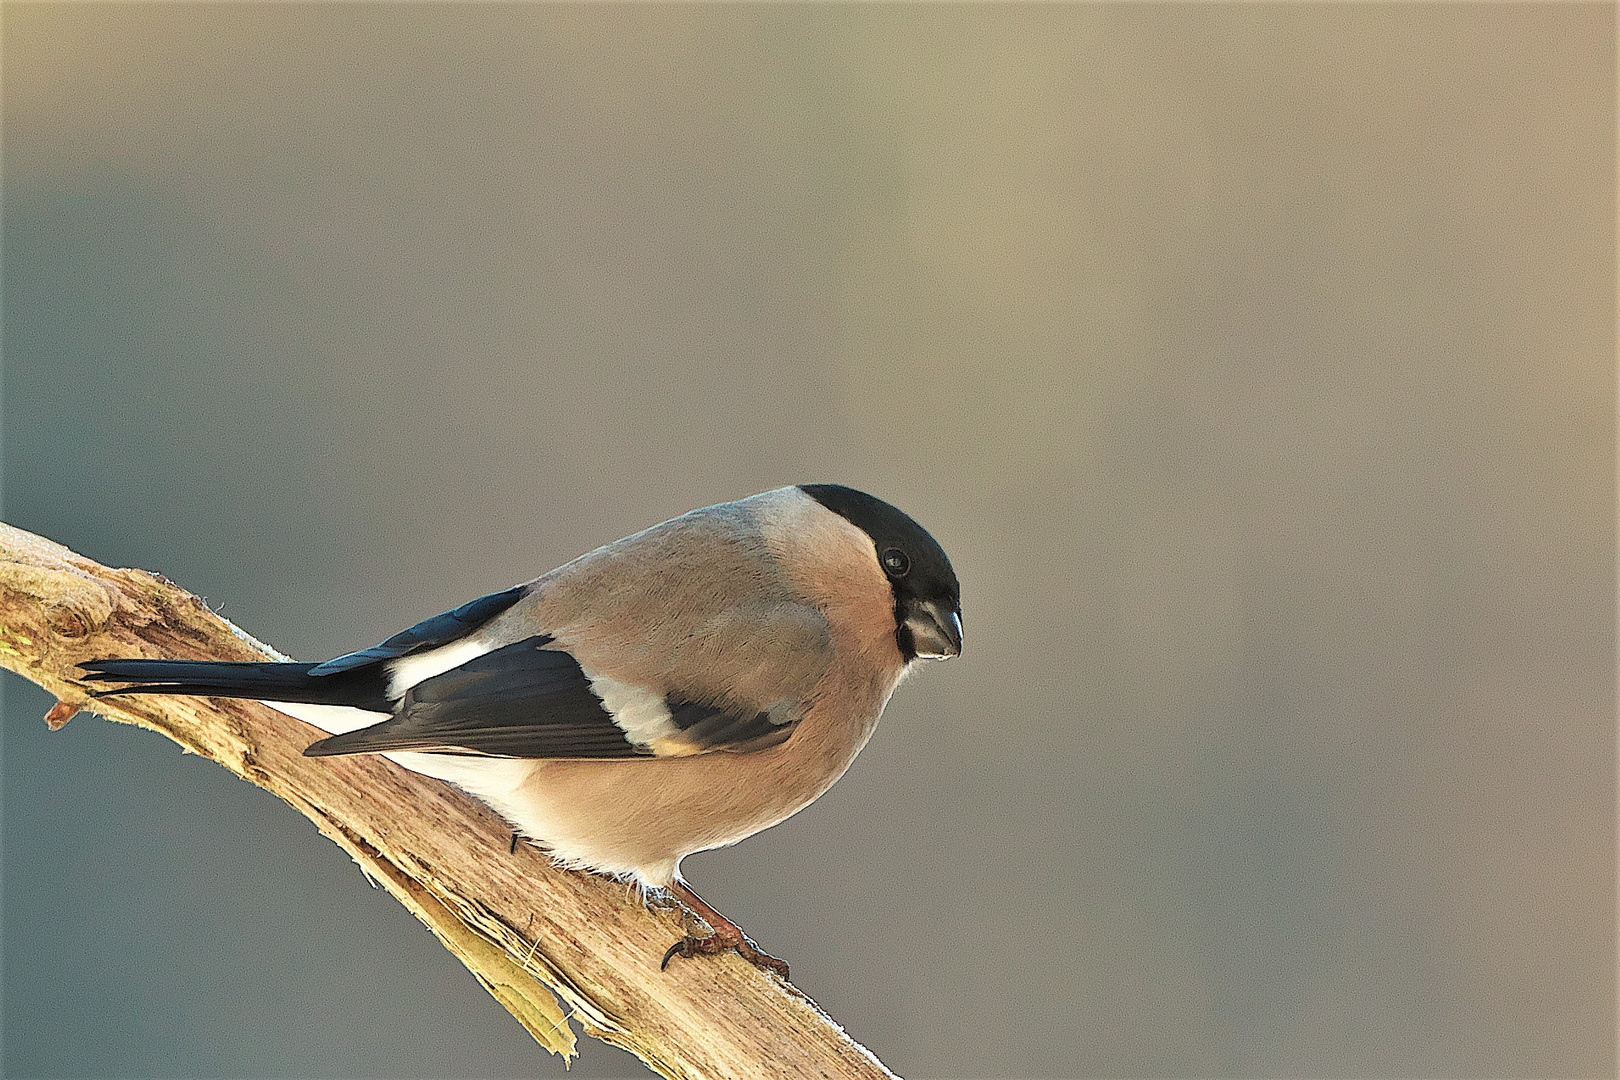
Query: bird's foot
column 722, row 940
column 723, row 934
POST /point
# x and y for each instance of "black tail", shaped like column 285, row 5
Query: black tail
column 361, row 687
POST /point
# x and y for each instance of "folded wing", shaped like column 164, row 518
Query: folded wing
column 529, row 700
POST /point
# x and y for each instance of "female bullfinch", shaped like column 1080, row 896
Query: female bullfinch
column 671, row 692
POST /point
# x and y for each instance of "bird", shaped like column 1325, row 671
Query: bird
column 672, row 692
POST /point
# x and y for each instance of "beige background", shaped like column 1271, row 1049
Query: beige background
column 1255, row 364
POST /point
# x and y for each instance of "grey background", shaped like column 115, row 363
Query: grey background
column 1255, row 364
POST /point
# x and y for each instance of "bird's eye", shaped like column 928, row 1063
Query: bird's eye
column 896, row 562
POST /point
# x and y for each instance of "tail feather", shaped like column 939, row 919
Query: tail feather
column 362, row 688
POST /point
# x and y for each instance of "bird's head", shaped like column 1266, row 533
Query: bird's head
column 927, row 597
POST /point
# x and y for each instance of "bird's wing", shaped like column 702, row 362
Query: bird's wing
column 532, row 699
column 681, row 640
column 521, row 700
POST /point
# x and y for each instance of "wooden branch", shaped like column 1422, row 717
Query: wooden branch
column 518, row 923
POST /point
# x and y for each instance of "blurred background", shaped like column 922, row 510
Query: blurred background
column 1255, row 364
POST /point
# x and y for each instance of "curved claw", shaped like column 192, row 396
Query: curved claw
column 719, row 943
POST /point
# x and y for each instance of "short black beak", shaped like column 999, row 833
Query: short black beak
column 936, row 631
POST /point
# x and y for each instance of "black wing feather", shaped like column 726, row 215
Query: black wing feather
column 720, row 727
column 522, row 700
column 428, row 634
